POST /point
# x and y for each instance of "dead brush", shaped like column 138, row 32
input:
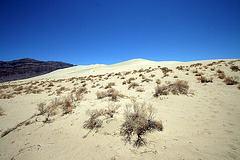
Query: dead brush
column 41, row 108
column 235, row 68
column 101, row 94
column 93, row 122
column 203, row 79
column 231, row 80
column 176, row 88
column 110, row 84
column 68, row 106
column 221, row 75
column 133, row 85
column 139, row 121
column 1, row 112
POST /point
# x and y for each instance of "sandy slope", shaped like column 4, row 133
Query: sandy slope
column 200, row 125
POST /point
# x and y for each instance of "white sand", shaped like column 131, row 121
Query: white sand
column 201, row 125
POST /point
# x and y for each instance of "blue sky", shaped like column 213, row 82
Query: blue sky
column 86, row 32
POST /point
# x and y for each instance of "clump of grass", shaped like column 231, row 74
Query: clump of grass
column 238, row 87
column 221, row 75
column 1, row 112
column 133, row 85
column 110, row 84
column 68, row 105
column 158, row 81
column 235, row 68
column 176, row 88
column 101, row 95
column 231, row 80
column 203, row 79
column 41, row 108
column 175, row 77
column 140, row 89
column 199, row 74
column 147, row 80
column 139, row 121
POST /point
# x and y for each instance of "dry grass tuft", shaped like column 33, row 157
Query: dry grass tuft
column 140, row 89
column 110, row 84
column 139, row 121
column 231, row 80
column 133, row 85
column 68, row 105
column 235, row 68
column 1, row 112
column 176, row 88
column 221, row 75
column 101, row 95
column 205, row 80
column 158, row 81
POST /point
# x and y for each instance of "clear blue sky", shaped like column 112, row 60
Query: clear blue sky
column 84, row 32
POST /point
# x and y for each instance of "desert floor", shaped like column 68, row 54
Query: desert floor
column 200, row 124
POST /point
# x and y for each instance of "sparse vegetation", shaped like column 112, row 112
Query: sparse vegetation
column 158, row 81
column 133, row 85
column 204, row 79
column 1, row 112
column 231, row 80
column 235, row 68
column 176, row 88
column 139, row 121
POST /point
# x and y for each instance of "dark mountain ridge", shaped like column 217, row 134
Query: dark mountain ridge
column 27, row 68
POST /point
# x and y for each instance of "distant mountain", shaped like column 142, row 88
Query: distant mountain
column 27, row 68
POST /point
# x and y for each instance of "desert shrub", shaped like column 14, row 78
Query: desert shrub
column 50, row 84
column 158, row 81
column 231, row 80
column 101, row 95
column 41, row 108
column 19, row 88
column 199, row 74
column 140, row 89
column 1, row 112
column 234, row 68
column 130, row 80
column 147, row 80
column 68, row 106
column 221, row 75
column 133, row 85
column 238, row 87
column 93, row 122
column 139, row 121
column 219, row 71
column 110, row 85
column 204, row 79
column 175, row 77
column 115, row 95
column 176, row 88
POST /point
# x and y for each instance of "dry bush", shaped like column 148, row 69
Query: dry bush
column 68, row 105
column 199, row 74
column 93, row 122
column 158, row 81
column 219, row 71
column 205, row 80
column 146, row 80
column 41, row 108
column 101, row 95
column 133, row 85
column 139, row 121
column 115, row 95
column 221, row 75
column 50, row 84
column 1, row 112
column 19, row 88
column 140, row 89
column 231, row 80
column 234, row 68
column 110, row 84
column 175, row 77
column 130, row 80
column 176, row 88
column 238, row 87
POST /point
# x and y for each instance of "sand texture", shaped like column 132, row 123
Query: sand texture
column 199, row 122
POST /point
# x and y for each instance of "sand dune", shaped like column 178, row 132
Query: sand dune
column 199, row 124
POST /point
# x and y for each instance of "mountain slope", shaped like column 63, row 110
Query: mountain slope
column 26, row 68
